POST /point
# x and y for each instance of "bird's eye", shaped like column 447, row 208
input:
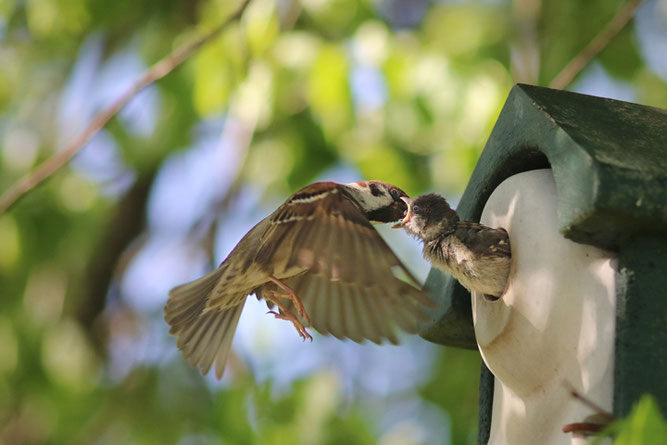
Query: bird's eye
column 395, row 194
column 416, row 209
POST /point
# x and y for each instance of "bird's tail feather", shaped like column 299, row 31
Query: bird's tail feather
column 203, row 336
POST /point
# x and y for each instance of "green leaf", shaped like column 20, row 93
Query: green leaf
column 333, row 17
column 463, row 29
column 6, row 8
column 213, row 80
column 621, row 57
column 644, row 426
column 261, row 25
column 55, row 19
column 565, row 27
column 328, row 88
column 651, row 88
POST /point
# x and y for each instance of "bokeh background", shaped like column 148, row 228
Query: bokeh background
column 297, row 91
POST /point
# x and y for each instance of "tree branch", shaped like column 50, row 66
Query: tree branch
column 154, row 73
column 122, row 227
column 596, row 45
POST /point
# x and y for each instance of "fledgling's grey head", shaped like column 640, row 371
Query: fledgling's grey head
column 428, row 217
column 380, row 202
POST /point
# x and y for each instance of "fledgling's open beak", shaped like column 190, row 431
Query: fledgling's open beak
column 408, row 213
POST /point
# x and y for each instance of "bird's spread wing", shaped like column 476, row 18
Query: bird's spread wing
column 349, row 282
column 359, row 312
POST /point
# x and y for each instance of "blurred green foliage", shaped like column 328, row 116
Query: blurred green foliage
column 405, row 92
column 645, row 425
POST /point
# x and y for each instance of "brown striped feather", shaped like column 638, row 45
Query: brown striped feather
column 319, row 243
column 342, row 251
column 347, row 321
column 357, row 322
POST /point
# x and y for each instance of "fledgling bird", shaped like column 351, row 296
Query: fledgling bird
column 478, row 256
column 319, row 260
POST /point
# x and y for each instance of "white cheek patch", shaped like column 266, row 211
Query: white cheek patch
column 366, row 199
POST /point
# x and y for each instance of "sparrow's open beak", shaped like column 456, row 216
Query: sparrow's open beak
column 408, row 213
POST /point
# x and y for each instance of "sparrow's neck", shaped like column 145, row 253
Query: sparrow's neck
column 437, row 249
column 445, row 227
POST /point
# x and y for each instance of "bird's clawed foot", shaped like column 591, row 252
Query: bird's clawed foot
column 289, row 294
column 300, row 328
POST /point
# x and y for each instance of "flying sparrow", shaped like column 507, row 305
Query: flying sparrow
column 477, row 256
column 319, row 260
